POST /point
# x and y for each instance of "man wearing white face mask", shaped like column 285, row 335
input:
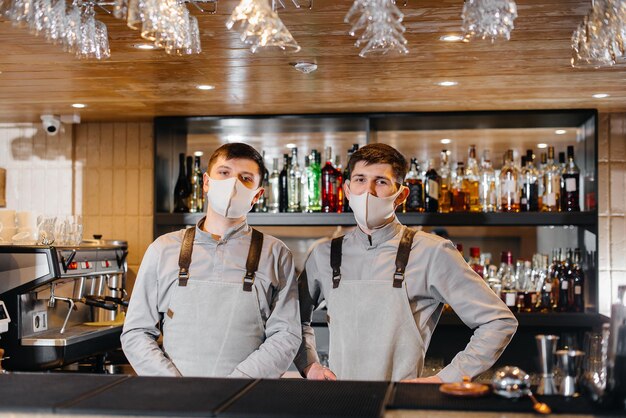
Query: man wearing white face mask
column 224, row 294
column 385, row 286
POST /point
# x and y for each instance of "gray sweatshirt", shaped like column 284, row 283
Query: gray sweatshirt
column 436, row 274
column 223, row 260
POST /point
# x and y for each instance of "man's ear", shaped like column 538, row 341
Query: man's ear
column 346, row 189
column 205, row 182
column 404, row 194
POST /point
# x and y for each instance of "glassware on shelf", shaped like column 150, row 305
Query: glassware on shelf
column 488, row 19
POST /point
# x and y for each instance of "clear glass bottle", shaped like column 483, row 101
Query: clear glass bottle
column 509, row 197
column 273, row 189
column 444, row 183
column 562, row 183
column 493, row 281
column 546, row 298
column 346, row 176
column 541, row 168
column 529, row 201
column 458, row 198
column 472, row 181
column 339, row 181
column 415, row 184
column 506, row 274
column 551, row 184
column 294, row 182
column 432, row 186
column 487, row 189
column 571, row 184
column 578, row 282
column 304, row 184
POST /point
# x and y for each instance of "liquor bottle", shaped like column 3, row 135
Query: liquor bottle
column 578, row 282
column 551, row 184
column 314, row 181
column 509, row 198
column 261, row 204
column 562, row 182
column 493, row 281
column 294, row 182
column 563, row 303
column 527, row 295
column 474, row 261
column 487, row 189
column 571, row 183
column 273, row 190
column 413, row 181
column 541, row 169
column 329, row 184
column 458, row 198
column 197, row 193
column 444, row 183
column 529, row 201
column 432, row 183
column 181, row 189
column 283, row 185
column 472, row 181
column 346, row 176
column 189, row 176
column 546, row 299
column 340, row 196
column 506, row 275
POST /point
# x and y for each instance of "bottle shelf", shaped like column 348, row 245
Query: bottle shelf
column 584, row 219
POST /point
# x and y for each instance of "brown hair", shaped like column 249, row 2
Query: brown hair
column 239, row 150
column 381, row 154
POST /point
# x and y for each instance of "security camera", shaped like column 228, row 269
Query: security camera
column 51, row 124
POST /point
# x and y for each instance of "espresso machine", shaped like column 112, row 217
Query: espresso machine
column 64, row 302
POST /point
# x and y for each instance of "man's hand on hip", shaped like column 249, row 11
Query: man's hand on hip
column 318, row 372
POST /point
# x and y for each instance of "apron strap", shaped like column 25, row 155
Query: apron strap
column 335, row 259
column 252, row 263
column 184, row 259
column 402, row 257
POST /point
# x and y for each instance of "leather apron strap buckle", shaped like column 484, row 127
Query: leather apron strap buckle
column 183, row 277
column 398, row 278
column 248, row 281
column 336, row 280
column 335, row 259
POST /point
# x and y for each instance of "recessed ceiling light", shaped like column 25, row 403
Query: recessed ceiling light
column 79, row 106
column 446, row 141
column 451, row 38
column 205, row 87
column 600, row 95
column 146, row 47
column 198, row 154
column 290, row 146
column 560, row 132
column 448, row 83
column 542, row 146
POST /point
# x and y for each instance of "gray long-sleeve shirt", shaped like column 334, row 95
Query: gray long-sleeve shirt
column 436, row 274
column 222, row 260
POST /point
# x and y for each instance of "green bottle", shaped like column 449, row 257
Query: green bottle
column 313, row 176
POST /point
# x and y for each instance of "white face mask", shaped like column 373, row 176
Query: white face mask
column 372, row 211
column 230, row 198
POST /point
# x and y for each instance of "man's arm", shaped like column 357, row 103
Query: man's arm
column 451, row 279
column 140, row 327
column 282, row 329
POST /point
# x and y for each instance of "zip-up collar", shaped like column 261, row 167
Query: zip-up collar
column 233, row 232
column 379, row 235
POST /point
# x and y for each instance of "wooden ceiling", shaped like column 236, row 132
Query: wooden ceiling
column 531, row 71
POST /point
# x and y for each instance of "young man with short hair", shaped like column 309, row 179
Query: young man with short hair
column 225, row 294
column 385, row 286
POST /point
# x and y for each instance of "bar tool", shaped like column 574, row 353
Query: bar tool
column 546, row 345
column 513, row 382
column 569, row 362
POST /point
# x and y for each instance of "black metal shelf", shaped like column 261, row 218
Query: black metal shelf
column 584, row 219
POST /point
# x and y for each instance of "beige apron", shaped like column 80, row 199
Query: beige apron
column 212, row 326
column 373, row 335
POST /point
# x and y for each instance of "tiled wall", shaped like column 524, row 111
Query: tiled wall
column 611, row 206
column 114, row 182
column 39, row 168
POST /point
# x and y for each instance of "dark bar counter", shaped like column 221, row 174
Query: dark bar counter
column 64, row 394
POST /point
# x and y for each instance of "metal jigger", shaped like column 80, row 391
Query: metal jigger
column 569, row 362
column 546, row 345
